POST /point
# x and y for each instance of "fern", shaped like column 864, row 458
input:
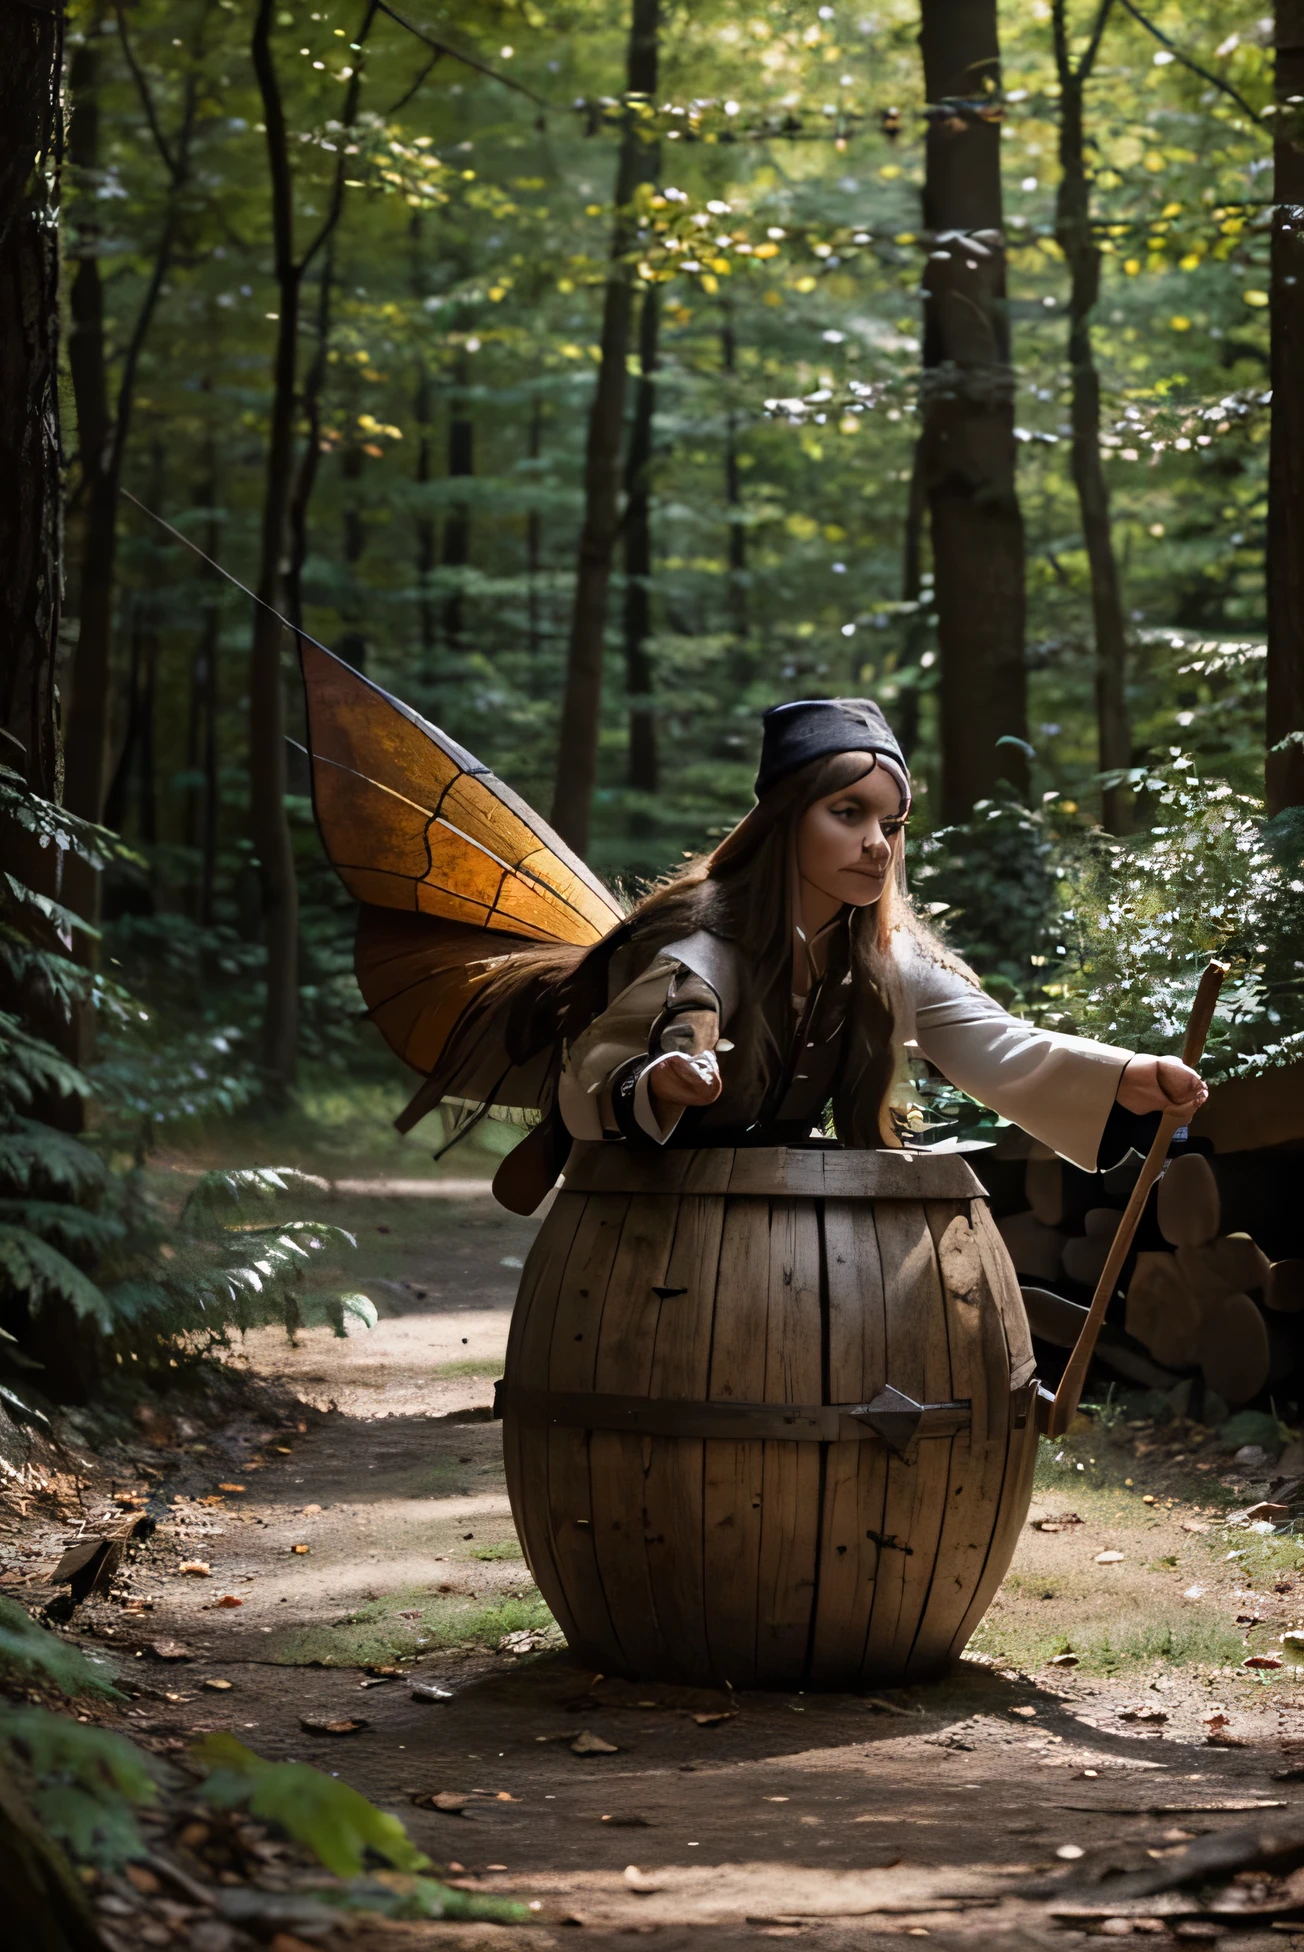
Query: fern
column 71, row 1228
column 40, row 1272
column 229, row 1186
column 36, row 1159
column 29, row 1066
column 336, row 1311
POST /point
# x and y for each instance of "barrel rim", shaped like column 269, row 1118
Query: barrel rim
column 814, row 1172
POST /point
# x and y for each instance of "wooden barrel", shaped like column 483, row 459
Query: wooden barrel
column 768, row 1415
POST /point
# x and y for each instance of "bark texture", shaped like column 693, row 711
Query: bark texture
column 31, row 46
column 1082, row 255
column 1284, row 726
column 643, row 774
column 577, row 754
column 968, row 412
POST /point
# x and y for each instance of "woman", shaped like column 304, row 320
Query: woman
column 786, row 972
column 781, row 976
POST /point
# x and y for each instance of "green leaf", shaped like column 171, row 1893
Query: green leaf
column 34, row 1157
column 35, row 1649
column 336, row 1823
column 337, row 1311
column 71, row 1227
column 86, row 1782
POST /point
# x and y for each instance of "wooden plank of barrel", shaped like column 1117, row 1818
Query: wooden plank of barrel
column 768, row 1414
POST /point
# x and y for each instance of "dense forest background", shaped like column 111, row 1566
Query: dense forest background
column 592, row 378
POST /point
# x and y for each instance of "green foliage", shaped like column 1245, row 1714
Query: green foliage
column 337, row 1824
column 990, row 884
column 35, row 1650
column 30, row 1267
column 1208, row 878
column 85, row 1783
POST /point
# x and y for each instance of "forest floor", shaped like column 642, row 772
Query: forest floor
column 362, row 1544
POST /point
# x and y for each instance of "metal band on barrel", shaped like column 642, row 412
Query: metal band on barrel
column 893, row 1418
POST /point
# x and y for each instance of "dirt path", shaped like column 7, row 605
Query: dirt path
column 376, row 1532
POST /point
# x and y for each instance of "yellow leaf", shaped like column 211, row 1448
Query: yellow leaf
column 1180, row 324
column 904, row 237
column 834, row 532
column 773, row 298
column 889, row 172
column 766, row 251
column 719, row 264
column 804, row 284
column 849, row 424
column 1153, row 161
column 1256, row 298
column 1171, row 210
column 1131, row 266
column 709, row 283
column 1190, row 261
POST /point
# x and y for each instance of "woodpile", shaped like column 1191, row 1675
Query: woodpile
column 1197, row 1297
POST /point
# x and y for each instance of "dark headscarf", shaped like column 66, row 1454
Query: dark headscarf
column 814, row 728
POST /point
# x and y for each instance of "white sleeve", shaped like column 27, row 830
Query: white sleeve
column 1059, row 1088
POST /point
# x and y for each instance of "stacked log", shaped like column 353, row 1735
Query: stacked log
column 1197, row 1298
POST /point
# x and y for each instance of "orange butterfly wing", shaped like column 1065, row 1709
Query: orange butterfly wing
column 411, row 820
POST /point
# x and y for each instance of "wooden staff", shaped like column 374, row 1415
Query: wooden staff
column 1064, row 1408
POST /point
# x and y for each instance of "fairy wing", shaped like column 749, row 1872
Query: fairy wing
column 410, row 820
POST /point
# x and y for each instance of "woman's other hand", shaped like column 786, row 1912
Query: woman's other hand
column 682, row 1080
column 1161, row 1084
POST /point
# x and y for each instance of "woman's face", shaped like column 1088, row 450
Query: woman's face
column 846, row 843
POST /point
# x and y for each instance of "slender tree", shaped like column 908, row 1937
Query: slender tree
column 739, row 607
column 643, row 772
column 577, row 750
column 31, row 56
column 104, row 413
column 267, row 764
column 1285, row 704
column 457, row 522
column 968, row 412
column 1077, row 240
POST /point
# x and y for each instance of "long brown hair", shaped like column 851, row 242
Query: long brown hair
column 743, row 893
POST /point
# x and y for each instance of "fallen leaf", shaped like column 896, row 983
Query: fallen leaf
column 198, row 1568
column 1108, row 1558
column 1262, row 1660
column 631, row 1820
column 586, row 1743
column 1216, row 1720
column 409, row 1612
column 142, row 1879
column 230, row 1599
column 169, row 1650
column 282, row 1450
column 713, row 1716
column 447, row 1800
column 300, row 1548
column 321, row 1725
column 636, row 1880
column 1268, row 1510
column 230, row 1487
column 427, row 1691
column 1057, row 1522
column 215, row 1686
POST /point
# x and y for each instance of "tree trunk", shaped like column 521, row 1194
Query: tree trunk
column 638, row 555
column 425, row 526
column 739, row 618
column 905, row 719
column 267, row 768
column 577, row 752
column 968, row 412
column 457, row 523
column 202, row 797
column 353, row 639
column 1081, row 254
column 534, row 551
column 89, row 717
column 31, row 52
column 1284, row 723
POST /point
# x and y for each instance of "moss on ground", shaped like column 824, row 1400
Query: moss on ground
column 401, row 1625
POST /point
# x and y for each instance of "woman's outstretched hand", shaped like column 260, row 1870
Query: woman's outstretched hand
column 1161, row 1084
column 682, row 1080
